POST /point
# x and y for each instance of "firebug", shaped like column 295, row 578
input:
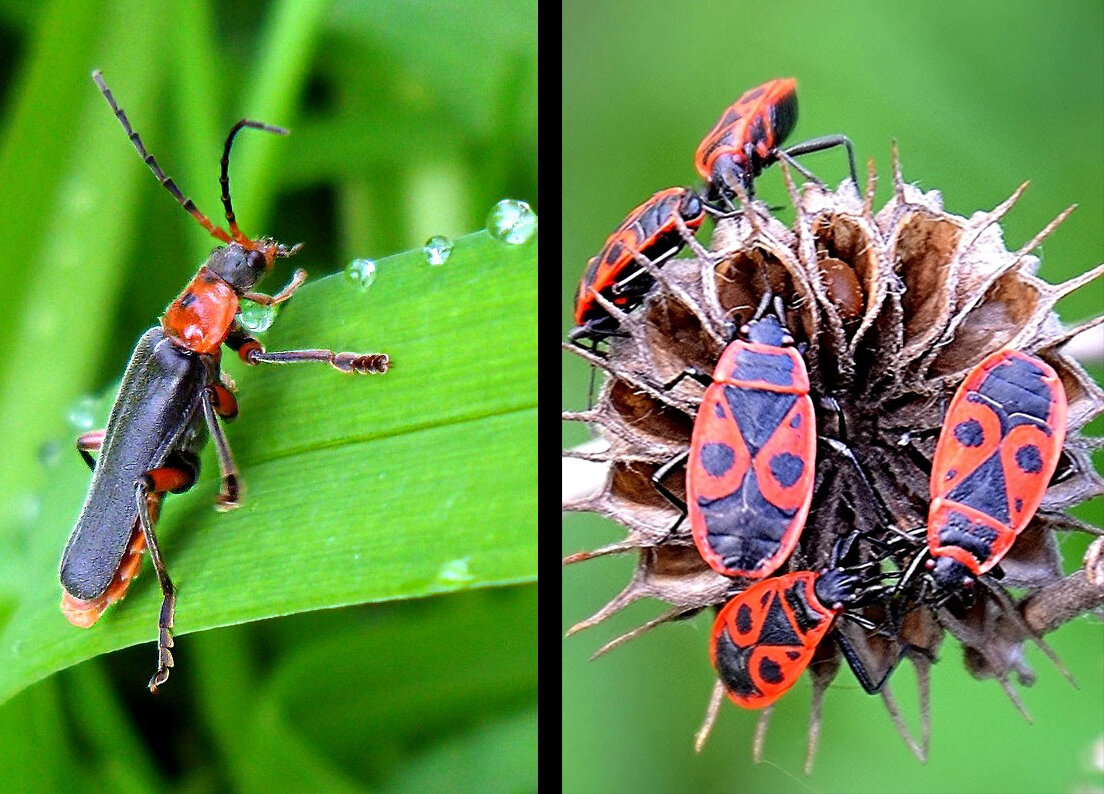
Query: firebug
column 751, row 462
column 765, row 637
column 650, row 231
column 998, row 448
column 748, row 136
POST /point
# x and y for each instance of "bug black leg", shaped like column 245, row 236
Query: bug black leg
column 839, row 446
column 661, row 474
column 858, row 668
column 167, row 478
column 794, row 164
column 657, row 480
column 663, row 471
column 219, row 402
column 690, row 372
column 252, row 352
column 90, row 442
column 819, row 145
column 885, row 517
column 911, row 572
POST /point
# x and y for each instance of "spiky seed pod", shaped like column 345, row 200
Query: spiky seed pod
column 894, row 308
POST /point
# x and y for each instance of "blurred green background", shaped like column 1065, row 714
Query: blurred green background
column 409, row 119
column 980, row 97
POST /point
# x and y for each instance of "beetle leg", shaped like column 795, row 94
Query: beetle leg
column 281, row 296
column 213, row 406
column 805, row 172
column 252, row 352
column 690, row 372
column 166, row 478
column 90, row 442
column 224, row 401
column 855, row 662
column 657, row 480
column 819, row 145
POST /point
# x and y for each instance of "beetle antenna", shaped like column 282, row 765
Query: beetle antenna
column 149, row 160
column 224, row 178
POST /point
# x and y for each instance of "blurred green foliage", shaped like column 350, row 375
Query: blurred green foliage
column 408, row 119
column 979, row 97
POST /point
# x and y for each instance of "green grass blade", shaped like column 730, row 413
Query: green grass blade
column 358, row 488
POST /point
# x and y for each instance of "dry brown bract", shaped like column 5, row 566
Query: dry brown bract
column 895, row 308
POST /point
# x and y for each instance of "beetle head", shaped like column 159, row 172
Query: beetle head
column 950, row 575
column 241, row 267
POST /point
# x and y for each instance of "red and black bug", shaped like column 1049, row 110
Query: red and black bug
column 765, row 637
column 171, row 398
column 751, row 462
column 748, row 137
column 998, row 448
column 650, row 231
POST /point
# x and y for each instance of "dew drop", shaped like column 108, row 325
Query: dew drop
column 82, row 414
column 455, row 573
column 512, row 221
column 361, row 272
column 254, row 317
column 28, row 507
column 437, row 249
column 50, row 453
column 1096, row 755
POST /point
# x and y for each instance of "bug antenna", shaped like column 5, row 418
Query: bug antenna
column 761, row 309
column 224, row 176
column 149, row 160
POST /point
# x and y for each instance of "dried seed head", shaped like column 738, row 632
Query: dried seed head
column 893, row 308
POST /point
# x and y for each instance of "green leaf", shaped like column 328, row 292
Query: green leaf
column 453, row 686
column 357, row 488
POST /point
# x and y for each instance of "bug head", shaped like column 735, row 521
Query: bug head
column 730, row 176
column 691, row 206
column 768, row 330
column 838, row 588
column 242, row 265
column 950, row 575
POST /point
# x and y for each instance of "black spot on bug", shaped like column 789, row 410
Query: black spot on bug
column 951, row 474
column 1020, row 383
column 1019, row 505
column 718, row 410
column 760, row 412
column 969, row 433
column 787, row 468
column 187, row 299
column 1029, row 459
column 774, row 368
column 985, row 489
column 758, row 131
column 717, row 459
column 743, row 619
column 793, row 655
column 805, row 616
column 770, row 671
column 975, row 538
column 742, row 528
column 614, row 253
column 796, row 421
column 732, row 661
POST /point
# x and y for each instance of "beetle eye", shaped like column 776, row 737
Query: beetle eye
column 256, row 260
